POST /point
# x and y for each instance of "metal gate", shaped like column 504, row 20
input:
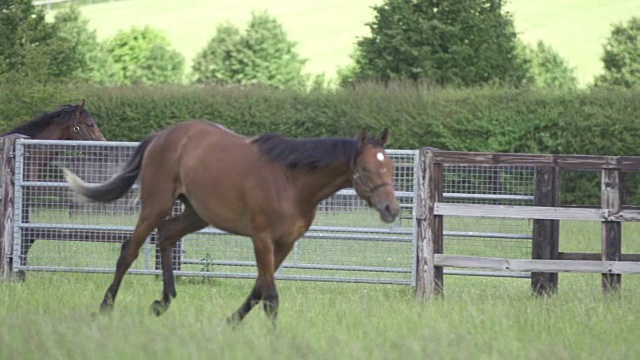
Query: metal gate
column 54, row 232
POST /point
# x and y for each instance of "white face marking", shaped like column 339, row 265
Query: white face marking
column 380, row 156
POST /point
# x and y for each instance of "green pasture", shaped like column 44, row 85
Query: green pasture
column 327, row 30
column 49, row 315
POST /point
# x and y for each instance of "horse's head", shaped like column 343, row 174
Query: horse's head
column 82, row 126
column 372, row 173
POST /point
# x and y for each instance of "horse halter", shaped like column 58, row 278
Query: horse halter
column 367, row 190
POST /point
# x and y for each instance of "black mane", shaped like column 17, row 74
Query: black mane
column 307, row 153
column 36, row 125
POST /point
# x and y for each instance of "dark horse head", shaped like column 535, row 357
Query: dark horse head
column 68, row 122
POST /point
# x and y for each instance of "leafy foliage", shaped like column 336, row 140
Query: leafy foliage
column 144, row 56
column 261, row 55
column 621, row 57
column 91, row 61
column 597, row 122
column 30, row 47
column 214, row 62
column 455, row 42
column 547, row 69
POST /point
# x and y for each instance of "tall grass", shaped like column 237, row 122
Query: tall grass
column 49, row 316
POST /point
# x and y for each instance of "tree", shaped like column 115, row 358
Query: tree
column 261, row 55
column 214, row 62
column 547, row 69
column 91, row 60
column 29, row 46
column 144, row 55
column 621, row 57
column 454, row 42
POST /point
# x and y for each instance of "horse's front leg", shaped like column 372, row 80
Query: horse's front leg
column 265, row 287
column 270, row 298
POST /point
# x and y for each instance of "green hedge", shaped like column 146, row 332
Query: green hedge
column 604, row 122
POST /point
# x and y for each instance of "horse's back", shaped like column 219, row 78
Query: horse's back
column 208, row 164
column 201, row 128
column 190, row 145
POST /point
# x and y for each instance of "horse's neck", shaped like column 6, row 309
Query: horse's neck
column 51, row 133
column 318, row 184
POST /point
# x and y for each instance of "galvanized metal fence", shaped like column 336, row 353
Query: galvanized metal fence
column 347, row 243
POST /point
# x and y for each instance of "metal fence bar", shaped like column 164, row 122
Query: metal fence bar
column 287, row 265
column 224, row 275
column 18, row 197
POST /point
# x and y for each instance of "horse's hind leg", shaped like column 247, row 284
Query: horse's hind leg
column 151, row 215
column 169, row 232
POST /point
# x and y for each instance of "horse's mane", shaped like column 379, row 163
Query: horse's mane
column 38, row 124
column 308, row 153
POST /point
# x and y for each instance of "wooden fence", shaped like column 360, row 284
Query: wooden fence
column 7, row 172
column 546, row 261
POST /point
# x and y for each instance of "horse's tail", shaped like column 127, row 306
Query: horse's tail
column 116, row 187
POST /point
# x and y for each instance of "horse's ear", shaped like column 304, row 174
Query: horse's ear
column 362, row 138
column 384, row 136
column 80, row 108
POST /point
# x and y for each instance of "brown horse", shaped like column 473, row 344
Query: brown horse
column 266, row 188
column 68, row 122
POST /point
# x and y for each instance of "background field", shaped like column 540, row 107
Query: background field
column 327, row 30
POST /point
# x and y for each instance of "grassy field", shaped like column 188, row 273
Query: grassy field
column 327, row 30
column 49, row 317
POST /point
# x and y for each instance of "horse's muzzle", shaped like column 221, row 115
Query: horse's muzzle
column 388, row 213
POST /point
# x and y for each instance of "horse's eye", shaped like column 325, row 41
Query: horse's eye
column 365, row 169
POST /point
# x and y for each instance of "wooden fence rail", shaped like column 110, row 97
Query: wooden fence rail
column 546, row 261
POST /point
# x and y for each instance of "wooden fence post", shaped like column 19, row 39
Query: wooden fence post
column 611, row 230
column 7, row 168
column 546, row 233
column 429, row 226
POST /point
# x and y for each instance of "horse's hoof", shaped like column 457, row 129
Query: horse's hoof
column 233, row 321
column 106, row 309
column 158, row 307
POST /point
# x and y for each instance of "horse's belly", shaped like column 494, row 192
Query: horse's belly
column 221, row 211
